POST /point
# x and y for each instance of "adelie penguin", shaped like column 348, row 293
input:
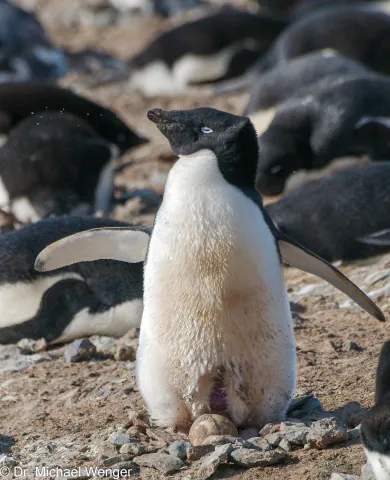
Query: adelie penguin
column 202, row 51
column 375, row 427
column 306, row 134
column 18, row 101
column 100, row 298
column 26, row 53
column 216, row 331
column 53, row 164
column 331, row 215
column 351, row 30
column 298, row 78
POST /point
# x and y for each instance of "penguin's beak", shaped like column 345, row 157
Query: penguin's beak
column 159, row 116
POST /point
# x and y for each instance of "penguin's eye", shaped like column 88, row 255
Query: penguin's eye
column 206, row 130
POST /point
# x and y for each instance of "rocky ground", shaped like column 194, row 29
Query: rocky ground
column 78, row 406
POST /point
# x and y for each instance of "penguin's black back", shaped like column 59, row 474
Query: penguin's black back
column 209, row 35
column 328, row 215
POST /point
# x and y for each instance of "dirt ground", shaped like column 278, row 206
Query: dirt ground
column 69, row 409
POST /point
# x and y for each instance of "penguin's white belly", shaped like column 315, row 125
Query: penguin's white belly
column 380, row 464
column 215, row 300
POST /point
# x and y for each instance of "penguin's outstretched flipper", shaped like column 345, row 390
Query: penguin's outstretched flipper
column 300, row 257
column 381, row 238
column 126, row 244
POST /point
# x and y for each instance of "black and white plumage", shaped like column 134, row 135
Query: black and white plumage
column 26, row 53
column 211, row 261
column 203, row 50
column 349, row 118
column 375, row 427
column 103, row 297
column 53, row 164
column 18, row 101
column 330, row 215
column 357, row 31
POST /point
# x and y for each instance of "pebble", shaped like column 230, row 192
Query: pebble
column 208, row 465
column 327, row 431
column 252, row 458
column 220, row 440
column 125, row 353
column 28, row 346
column 133, row 449
column 269, row 428
column 309, row 409
column 285, row 445
column 109, row 462
column 349, row 346
column 8, row 460
column 274, row 439
column 199, row 451
column 179, row 449
column 78, row 350
column 258, row 443
column 211, row 424
column 298, row 402
column 162, row 462
column 119, row 439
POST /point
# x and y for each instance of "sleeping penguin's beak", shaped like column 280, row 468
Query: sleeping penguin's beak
column 159, row 116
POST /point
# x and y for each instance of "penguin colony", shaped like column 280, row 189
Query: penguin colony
column 205, row 283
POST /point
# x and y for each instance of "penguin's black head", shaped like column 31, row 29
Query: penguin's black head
column 280, row 154
column 231, row 138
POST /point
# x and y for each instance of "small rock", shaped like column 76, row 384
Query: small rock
column 343, row 476
column 274, row 439
column 269, row 428
column 219, row 440
column 327, row 346
column 162, row 462
column 28, row 346
column 211, row 424
column 298, row 402
column 309, row 408
column 78, row 350
column 133, row 449
column 348, row 411
column 179, row 449
column 258, row 443
column 252, row 458
column 285, row 445
column 125, row 353
column 119, row 439
column 209, row 464
column 248, row 433
column 131, row 467
column 354, row 433
column 349, row 346
column 367, row 472
column 8, row 460
column 195, row 453
column 326, row 432
column 109, row 462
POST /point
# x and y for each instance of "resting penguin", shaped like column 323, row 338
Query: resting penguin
column 202, row 51
column 100, row 298
column 216, row 332
column 330, row 215
column 53, row 164
column 375, row 426
column 359, row 32
column 349, row 118
column 298, row 78
column 26, row 53
column 18, row 101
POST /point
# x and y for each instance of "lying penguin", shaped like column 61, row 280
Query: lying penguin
column 26, row 53
column 298, row 78
column 53, row 164
column 350, row 117
column 352, row 30
column 202, row 51
column 216, row 332
column 332, row 224
column 100, row 298
column 18, row 101
column 375, row 427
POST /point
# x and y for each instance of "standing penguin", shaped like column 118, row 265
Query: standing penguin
column 375, row 428
column 99, row 298
column 216, row 332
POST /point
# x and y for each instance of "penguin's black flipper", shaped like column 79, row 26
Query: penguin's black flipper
column 381, row 238
column 300, row 257
column 126, row 244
